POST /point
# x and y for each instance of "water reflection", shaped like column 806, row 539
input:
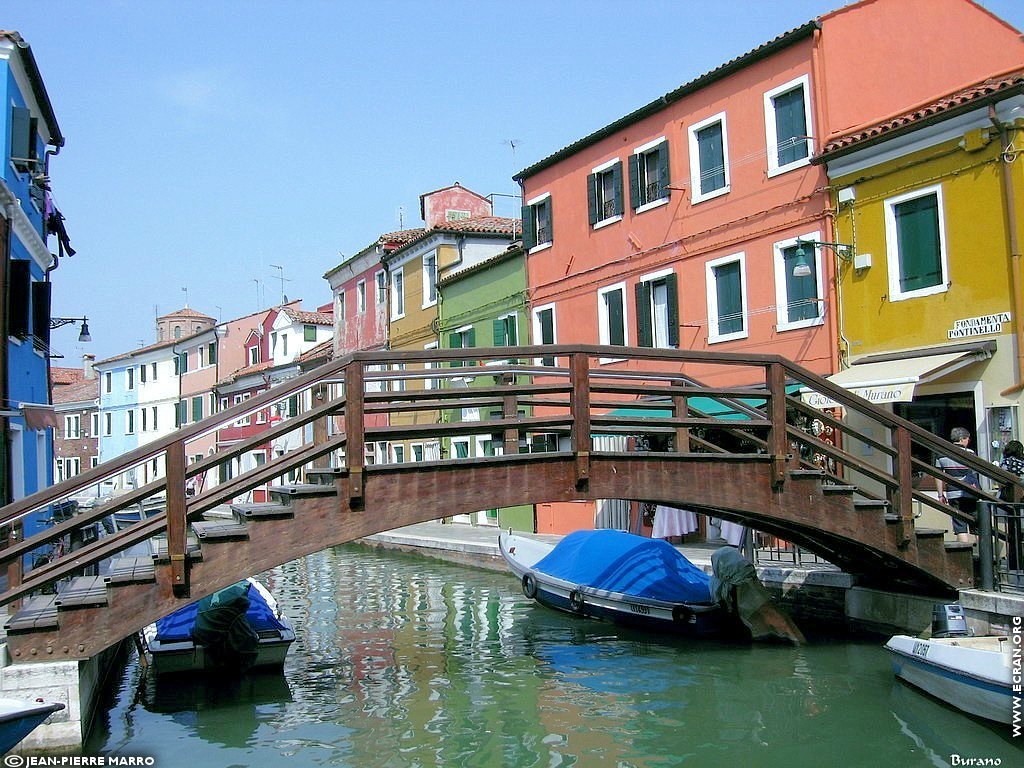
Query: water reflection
column 400, row 661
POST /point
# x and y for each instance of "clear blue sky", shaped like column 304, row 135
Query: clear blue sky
column 207, row 140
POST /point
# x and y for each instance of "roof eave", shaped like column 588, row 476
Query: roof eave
column 39, row 90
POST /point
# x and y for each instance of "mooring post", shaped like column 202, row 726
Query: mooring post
column 354, row 431
column 579, row 378
column 778, row 441
column 177, row 522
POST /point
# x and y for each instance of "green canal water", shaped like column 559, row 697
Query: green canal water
column 405, row 661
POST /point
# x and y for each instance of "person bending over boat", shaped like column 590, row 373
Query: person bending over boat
column 735, row 585
column 224, row 631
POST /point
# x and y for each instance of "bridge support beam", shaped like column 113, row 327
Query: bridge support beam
column 778, row 441
column 579, row 377
column 177, row 522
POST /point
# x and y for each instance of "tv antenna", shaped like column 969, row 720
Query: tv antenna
column 283, row 279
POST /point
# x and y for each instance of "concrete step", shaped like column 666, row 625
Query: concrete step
column 131, row 570
column 208, row 530
column 82, row 592
column 36, row 613
column 267, row 509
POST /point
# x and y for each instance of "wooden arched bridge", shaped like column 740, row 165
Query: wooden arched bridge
column 845, row 490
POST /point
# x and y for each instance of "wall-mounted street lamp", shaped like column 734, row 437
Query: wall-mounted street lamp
column 802, row 268
column 60, row 322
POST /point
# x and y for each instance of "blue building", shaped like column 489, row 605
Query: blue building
column 30, row 136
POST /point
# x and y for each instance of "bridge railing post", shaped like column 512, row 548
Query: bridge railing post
column 510, row 410
column 680, row 410
column 579, row 379
column 778, row 441
column 354, row 430
column 177, row 518
column 902, row 496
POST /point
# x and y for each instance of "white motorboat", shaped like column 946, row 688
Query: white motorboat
column 971, row 673
column 19, row 718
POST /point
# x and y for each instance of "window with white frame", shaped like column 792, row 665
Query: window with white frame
column 398, row 384
column 129, row 422
column 94, row 424
column 430, row 280
column 108, row 424
column 254, row 354
column 709, row 159
column 245, row 420
column 649, row 175
column 461, row 338
column 544, row 329
column 153, row 371
column 142, row 373
column 611, row 315
column 416, row 451
column 284, row 344
column 798, row 299
column 129, row 378
column 108, row 379
column 604, row 193
column 155, row 425
column 537, row 232
column 72, row 427
column 506, row 330
column 94, row 461
column 727, row 302
column 915, row 244
column 428, row 365
column 361, row 297
column 309, row 332
column 398, row 454
column 398, row 294
column 460, row 448
column 787, row 119
column 657, row 310
column 339, row 308
column 201, row 355
column 381, row 293
column 144, row 414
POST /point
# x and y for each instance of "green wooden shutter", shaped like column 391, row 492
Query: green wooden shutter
column 616, row 331
column 663, row 170
column 592, row 182
column 790, row 123
column 644, row 329
column 728, row 289
column 546, row 321
column 19, row 295
column 293, row 405
column 511, row 332
column 711, row 155
column 617, row 186
column 917, row 238
column 197, row 409
column 455, row 342
column 634, row 181
column 213, row 353
column 672, row 291
column 41, row 314
column 529, row 228
column 499, row 332
column 800, row 291
column 21, row 133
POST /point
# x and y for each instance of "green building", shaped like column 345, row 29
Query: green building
column 485, row 306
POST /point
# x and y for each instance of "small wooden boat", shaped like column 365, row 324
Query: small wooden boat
column 19, row 718
column 233, row 630
column 619, row 577
column 970, row 673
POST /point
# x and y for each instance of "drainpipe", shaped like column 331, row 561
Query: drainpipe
column 5, row 254
column 1016, row 279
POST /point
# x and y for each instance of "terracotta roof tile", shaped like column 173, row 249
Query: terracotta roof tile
column 63, row 376
column 186, row 312
column 314, row 318
column 323, row 350
column 87, row 389
column 966, row 98
column 248, row 370
column 477, row 225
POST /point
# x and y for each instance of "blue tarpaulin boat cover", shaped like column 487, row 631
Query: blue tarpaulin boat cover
column 621, row 562
column 178, row 626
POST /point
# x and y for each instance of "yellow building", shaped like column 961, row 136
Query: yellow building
column 928, row 207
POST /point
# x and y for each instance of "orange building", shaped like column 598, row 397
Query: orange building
column 676, row 226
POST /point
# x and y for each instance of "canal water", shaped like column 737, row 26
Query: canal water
column 404, row 661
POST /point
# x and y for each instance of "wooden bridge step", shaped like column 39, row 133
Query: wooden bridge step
column 807, row 473
column 306, row 490
column 131, row 570
column 207, row 530
column 922, row 533
column 37, row 613
column 870, row 504
column 265, row 509
column 158, row 547
column 83, row 592
column 325, row 475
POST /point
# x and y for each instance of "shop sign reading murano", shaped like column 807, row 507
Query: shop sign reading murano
column 978, row 326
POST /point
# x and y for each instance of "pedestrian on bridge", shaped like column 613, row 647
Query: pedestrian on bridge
column 957, row 497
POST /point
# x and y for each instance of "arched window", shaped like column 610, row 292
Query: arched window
column 177, row 331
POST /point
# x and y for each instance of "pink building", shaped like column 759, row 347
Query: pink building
column 677, row 225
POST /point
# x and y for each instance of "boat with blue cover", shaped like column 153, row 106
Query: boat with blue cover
column 233, row 630
column 620, row 577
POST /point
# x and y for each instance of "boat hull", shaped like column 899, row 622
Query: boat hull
column 687, row 619
column 974, row 679
column 19, row 718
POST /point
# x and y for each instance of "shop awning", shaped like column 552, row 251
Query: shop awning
column 39, row 416
column 893, row 380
